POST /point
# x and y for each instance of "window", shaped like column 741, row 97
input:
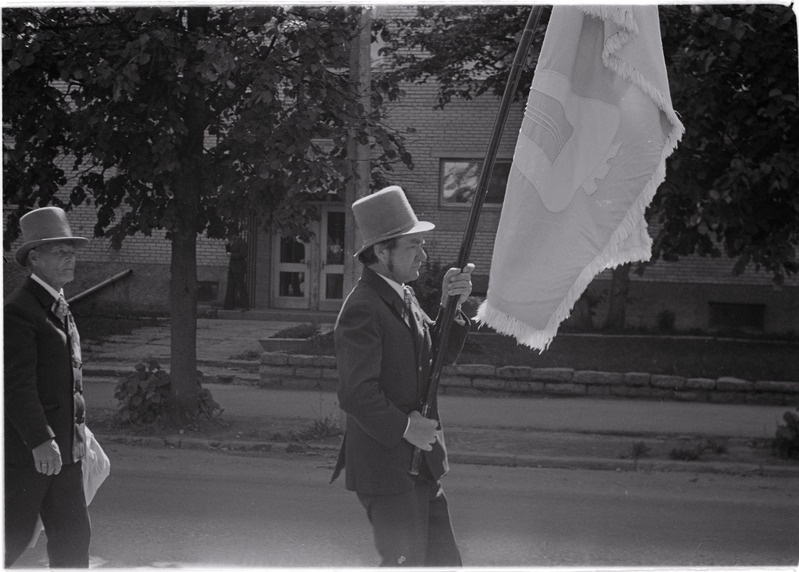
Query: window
column 459, row 178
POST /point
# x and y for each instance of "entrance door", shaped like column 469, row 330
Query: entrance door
column 310, row 275
column 292, row 259
column 331, row 248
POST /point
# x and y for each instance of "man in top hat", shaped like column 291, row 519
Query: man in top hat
column 44, row 407
column 384, row 352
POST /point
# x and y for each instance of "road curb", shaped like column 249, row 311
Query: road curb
column 289, row 449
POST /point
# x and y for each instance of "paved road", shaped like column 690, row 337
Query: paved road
column 181, row 508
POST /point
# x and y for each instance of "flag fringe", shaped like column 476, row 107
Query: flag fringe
column 622, row 16
column 507, row 324
column 612, row 255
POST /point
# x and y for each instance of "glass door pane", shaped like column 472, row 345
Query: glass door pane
column 332, row 248
column 291, row 273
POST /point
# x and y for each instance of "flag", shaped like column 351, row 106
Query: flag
column 591, row 151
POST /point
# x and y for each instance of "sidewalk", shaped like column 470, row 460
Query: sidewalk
column 548, row 432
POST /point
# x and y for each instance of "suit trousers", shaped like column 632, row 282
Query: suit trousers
column 413, row 528
column 61, row 502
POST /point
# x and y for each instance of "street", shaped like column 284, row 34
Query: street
column 193, row 509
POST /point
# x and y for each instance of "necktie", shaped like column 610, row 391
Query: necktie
column 408, row 297
column 61, row 310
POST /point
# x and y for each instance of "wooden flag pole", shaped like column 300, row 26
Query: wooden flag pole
column 474, row 215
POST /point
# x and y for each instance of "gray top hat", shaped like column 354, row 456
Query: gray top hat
column 43, row 226
column 384, row 215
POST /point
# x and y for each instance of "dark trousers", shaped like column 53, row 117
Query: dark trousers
column 60, row 501
column 413, row 528
column 236, row 295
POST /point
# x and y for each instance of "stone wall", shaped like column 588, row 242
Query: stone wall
column 293, row 371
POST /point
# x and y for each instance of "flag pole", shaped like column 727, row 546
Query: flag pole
column 474, row 215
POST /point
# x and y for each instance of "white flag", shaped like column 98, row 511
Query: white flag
column 591, row 152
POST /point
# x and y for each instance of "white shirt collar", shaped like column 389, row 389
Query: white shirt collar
column 396, row 286
column 46, row 286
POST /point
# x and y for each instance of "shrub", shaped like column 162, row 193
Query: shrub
column 639, row 449
column 786, row 441
column 695, row 452
column 688, row 454
column 320, row 428
column 144, row 398
column 717, row 446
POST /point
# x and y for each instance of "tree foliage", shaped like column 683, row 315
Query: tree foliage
column 731, row 185
column 188, row 120
column 115, row 89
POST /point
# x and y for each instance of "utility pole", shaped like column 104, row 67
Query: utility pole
column 359, row 153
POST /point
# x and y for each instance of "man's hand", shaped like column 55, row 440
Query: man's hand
column 47, row 458
column 457, row 283
column 421, row 431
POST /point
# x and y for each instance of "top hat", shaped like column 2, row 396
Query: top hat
column 384, row 215
column 44, row 226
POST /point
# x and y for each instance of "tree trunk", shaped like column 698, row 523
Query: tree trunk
column 188, row 187
column 183, row 314
column 617, row 304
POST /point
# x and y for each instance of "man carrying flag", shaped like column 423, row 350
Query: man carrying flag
column 384, row 343
column 591, row 153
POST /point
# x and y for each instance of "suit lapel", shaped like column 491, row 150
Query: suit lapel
column 44, row 298
column 416, row 327
column 386, row 293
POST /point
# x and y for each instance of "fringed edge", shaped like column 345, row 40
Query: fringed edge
column 622, row 16
column 611, row 255
column 508, row 325
column 625, row 70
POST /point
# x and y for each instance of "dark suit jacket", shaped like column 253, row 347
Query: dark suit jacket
column 41, row 400
column 383, row 370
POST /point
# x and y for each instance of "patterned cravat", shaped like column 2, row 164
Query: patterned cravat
column 61, row 310
column 408, row 296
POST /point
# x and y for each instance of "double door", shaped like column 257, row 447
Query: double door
column 310, row 275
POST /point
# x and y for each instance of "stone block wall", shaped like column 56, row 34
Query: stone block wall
column 292, row 371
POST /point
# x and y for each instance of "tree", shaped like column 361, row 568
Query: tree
column 131, row 95
column 731, row 185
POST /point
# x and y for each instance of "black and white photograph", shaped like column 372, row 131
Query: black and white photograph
column 327, row 285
